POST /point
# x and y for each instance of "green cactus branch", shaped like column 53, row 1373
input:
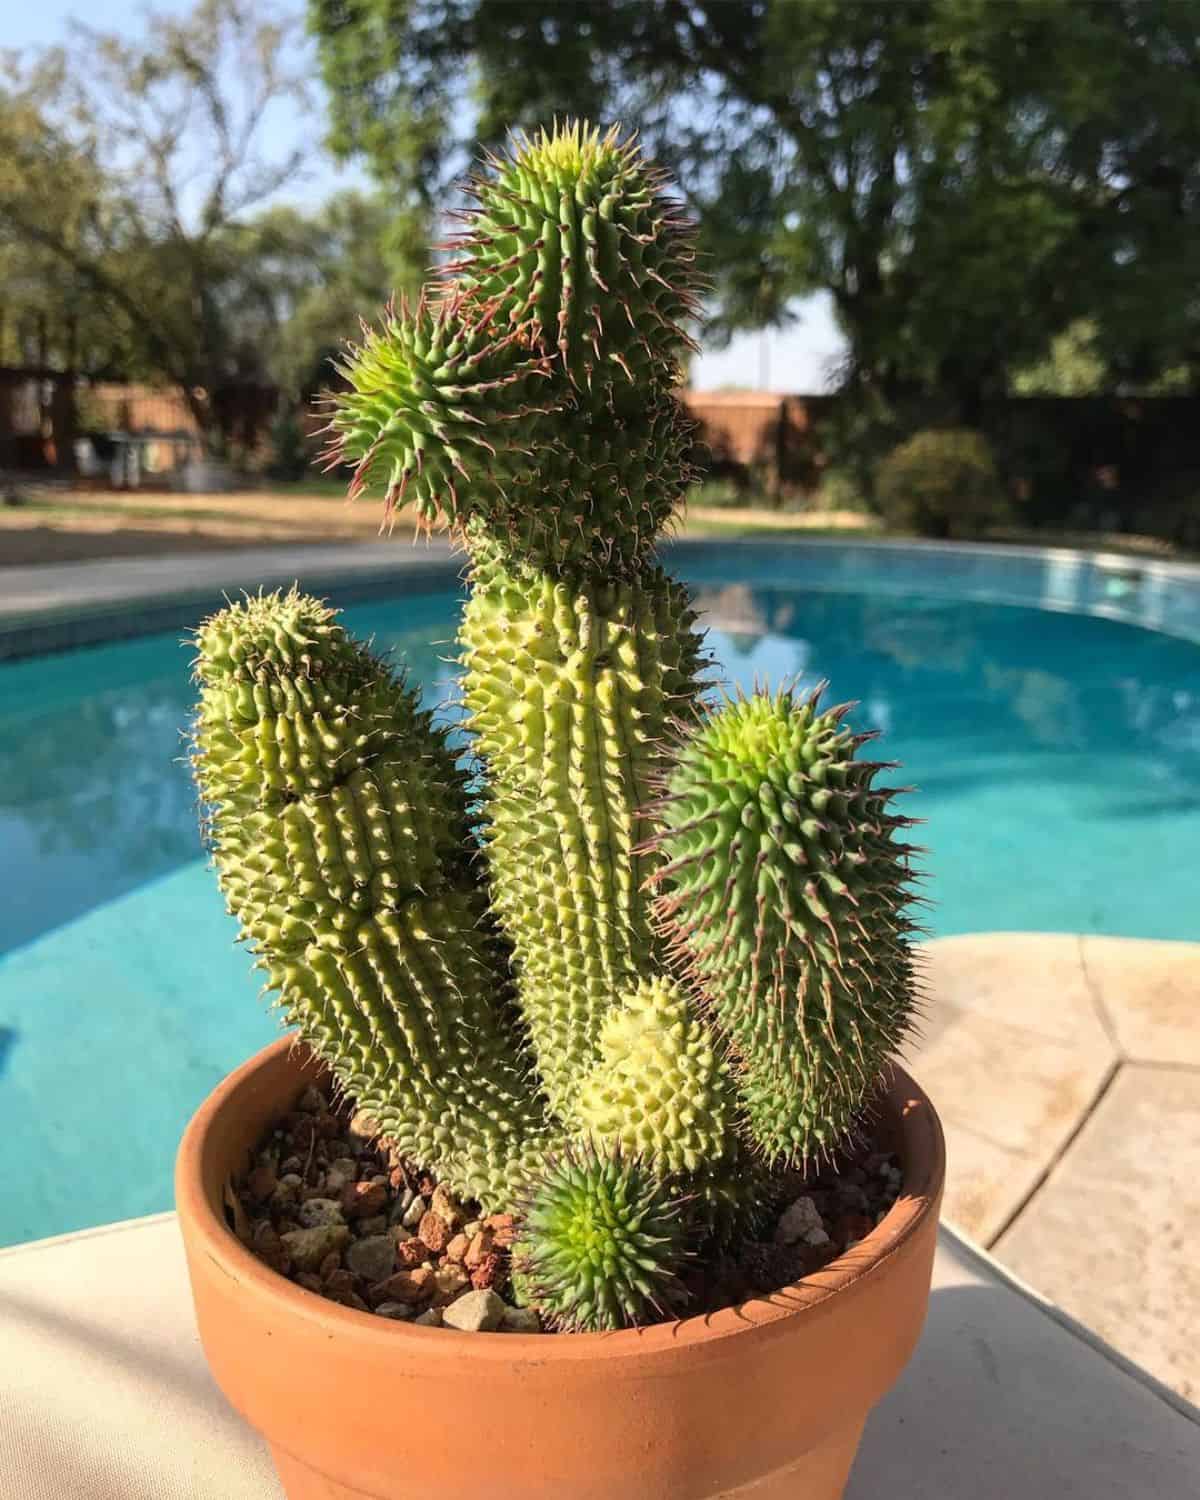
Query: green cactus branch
column 337, row 823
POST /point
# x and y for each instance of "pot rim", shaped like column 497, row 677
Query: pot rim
column 921, row 1147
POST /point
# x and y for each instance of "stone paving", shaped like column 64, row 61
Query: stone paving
column 1066, row 1070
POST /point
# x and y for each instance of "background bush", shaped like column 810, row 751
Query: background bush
column 942, row 483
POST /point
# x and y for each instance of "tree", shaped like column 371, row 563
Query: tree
column 129, row 171
column 966, row 179
column 310, row 276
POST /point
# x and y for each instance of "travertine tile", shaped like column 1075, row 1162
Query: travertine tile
column 1013, row 1055
column 1031, row 980
column 1151, row 992
column 1112, row 1236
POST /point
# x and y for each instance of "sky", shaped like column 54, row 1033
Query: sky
column 798, row 359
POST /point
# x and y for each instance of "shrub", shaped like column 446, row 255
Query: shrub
column 942, row 483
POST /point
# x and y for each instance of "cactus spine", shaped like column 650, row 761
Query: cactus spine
column 492, row 975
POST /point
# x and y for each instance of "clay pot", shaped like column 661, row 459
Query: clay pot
column 764, row 1400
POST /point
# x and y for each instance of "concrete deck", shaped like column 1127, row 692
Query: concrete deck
column 1067, row 1074
column 104, row 1393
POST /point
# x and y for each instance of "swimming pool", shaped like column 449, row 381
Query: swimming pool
column 1057, row 756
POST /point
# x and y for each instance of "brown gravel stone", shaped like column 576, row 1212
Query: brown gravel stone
column 410, row 1253
column 447, row 1207
column 309, row 1280
column 261, row 1183
column 480, row 1246
column 330, row 1264
column 503, row 1226
column 434, row 1231
column 458, row 1247
column 487, row 1272
column 360, row 1200
column 308, row 1248
column 339, row 1284
column 406, row 1286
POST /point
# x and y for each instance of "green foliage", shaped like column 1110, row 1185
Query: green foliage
column 140, row 232
column 602, row 1242
column 480, row 965
column 783, row 898
column 965, row 180
column 941, row 483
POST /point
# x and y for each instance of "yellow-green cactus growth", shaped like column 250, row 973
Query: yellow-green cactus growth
column 631, row 970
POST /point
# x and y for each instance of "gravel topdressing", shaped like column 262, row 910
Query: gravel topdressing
column 335, row 1211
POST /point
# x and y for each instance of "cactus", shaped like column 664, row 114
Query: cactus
column 654, row 951
column 782, row 893
column 602, row 1242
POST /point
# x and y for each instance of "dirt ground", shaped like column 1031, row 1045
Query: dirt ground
column 76, row 526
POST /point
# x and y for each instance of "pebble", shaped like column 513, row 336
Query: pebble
column 797, row 1222
column 430, row 1319
column 415, row 1212
column 261, row 1183
column 287, row 1191
column 446, row 1207
column 400, row 1208
column 372, row 1257
column 376, row 1224
column 307, row 1248
column 397, row 1310
column 339, row 1284
column 340, row 1174
column 315, row 1211
column 520, row 1320
column 474, row 1312
column 362, row 1128
column 362, row 1200
column 434, row 1231
column 449, row 1280
column 406, row 1286
column 487, row 1272
column 479, row 1247
column 311, row 1101
column 411, row 1252
column 473, row 1228
column 458, row 1247
column 503, row 1226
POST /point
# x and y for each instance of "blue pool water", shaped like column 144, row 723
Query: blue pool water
column 1057, row 758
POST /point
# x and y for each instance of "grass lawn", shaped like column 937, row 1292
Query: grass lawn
column 59, row 525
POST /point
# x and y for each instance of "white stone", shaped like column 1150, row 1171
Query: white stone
column 371, row 1257
column 315, row 1211
column 475, row 1312
column 797, row 1222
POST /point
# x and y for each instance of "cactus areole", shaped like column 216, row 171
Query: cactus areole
column 661, row 949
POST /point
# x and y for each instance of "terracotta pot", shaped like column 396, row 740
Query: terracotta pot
column 763, row 1400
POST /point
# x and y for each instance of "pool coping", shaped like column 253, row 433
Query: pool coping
column 61, row 606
